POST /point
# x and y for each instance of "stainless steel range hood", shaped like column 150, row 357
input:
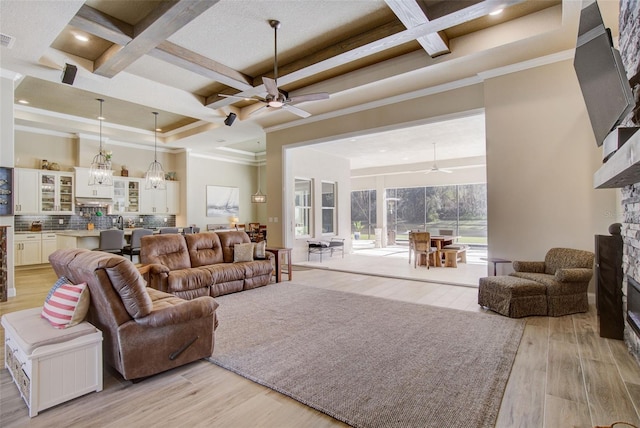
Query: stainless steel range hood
column 93, row 202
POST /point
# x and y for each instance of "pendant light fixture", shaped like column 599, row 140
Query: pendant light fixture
column 100, row 173
column 155, row 173
column 258, row 197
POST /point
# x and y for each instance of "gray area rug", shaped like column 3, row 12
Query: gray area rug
column 367, row 361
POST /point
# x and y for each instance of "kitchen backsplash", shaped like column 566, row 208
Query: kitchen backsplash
column 79, row 222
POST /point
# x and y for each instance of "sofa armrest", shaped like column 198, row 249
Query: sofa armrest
column 533, row 267
column 156, row 275
column 574, row 275
column 200, row 307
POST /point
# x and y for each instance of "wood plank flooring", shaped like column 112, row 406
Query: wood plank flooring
column 564, row 374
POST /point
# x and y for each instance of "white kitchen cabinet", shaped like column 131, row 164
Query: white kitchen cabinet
column 160, row 201
column 56, row 192
column 126, row 195
column 84, row 190
column 28, row 249
column 48, row 246
column 173, row 197
column 26, row 191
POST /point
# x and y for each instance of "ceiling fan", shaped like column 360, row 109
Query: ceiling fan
column 435, row 168
column 278, row 98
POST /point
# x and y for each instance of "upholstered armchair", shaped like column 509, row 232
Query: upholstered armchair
column 566, row 273
column 145, row 331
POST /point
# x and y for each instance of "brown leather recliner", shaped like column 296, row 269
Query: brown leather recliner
column 145, row 331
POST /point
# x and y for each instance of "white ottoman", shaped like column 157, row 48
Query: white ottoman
column 50, row 365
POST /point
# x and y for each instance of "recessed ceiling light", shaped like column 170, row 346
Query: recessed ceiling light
column 100, row 117
column 23, row 102
column 496, row 12
column 158, row 129
column 81, row 37
column 382, row 150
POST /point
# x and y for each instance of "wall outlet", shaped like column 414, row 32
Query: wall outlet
column 165, row 219
column 60, row 221
column 114, row 220
column 141, row 220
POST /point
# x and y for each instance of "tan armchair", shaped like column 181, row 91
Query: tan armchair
column 145, row 331
column 566, row 273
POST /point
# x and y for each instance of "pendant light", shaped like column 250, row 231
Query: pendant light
column 258, row 197
column 100, row 173
column 155, row 173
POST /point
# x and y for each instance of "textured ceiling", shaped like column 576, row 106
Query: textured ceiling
column 345, row 48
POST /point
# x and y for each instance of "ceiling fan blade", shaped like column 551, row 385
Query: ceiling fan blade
column 309, row 97
column 272, row 88
column 261, row 108
column 296, row 110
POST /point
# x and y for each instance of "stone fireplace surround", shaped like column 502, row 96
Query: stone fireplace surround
column 630, row 52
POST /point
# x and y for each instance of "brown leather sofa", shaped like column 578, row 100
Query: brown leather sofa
column 145, row 331
column 201, row 264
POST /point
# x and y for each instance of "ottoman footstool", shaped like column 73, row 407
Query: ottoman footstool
column 512, row 296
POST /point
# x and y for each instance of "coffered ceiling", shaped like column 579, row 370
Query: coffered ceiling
column 176, row 57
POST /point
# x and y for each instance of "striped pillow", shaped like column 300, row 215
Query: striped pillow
column 67, row 306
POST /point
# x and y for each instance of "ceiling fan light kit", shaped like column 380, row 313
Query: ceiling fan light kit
column 277, row 98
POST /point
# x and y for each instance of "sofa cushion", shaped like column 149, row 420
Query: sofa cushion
column 259, row 250
column 226, row 272
column 204, row 249
column 243, row 252
column 189, row 279
column 228, row 240
column 167, row 249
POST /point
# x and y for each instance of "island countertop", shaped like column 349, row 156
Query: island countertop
column 88, row 233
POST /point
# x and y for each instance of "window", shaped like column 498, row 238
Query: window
column 363, row 211
column 461, row 209
column 329, row 208
column 302, row 198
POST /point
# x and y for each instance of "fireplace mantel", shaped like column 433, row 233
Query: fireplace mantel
column 622, row 168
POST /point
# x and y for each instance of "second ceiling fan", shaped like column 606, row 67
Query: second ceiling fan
column 279, row 98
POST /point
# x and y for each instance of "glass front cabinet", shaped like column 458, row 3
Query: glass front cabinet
column 126, row 195
column 56, row 192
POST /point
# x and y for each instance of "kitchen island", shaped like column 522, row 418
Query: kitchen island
column 88, row 239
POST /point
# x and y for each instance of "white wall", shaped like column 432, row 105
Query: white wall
column 307, row 163
column 203, row 171
column 541, row 156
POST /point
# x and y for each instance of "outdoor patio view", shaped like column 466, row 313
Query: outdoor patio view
column 461, row 209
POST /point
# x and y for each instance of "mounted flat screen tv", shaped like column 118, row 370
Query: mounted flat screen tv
column 601, row 75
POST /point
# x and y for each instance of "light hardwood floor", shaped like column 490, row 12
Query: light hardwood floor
column 564, row 374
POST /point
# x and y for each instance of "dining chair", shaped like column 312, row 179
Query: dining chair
column 111, row 241
column 422, row 246
column 133, row 248
column 164, row 230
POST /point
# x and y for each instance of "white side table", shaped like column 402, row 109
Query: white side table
column 49, row 365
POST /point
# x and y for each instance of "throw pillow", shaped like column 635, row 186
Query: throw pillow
column 60, row 282
column 67, row 306
column 259, row 250
column 243, row 252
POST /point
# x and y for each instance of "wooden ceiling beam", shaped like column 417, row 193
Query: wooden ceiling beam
column 167, row 18
column 120, row 33
column 102, row 25
column 201, row 65
column 412, row 15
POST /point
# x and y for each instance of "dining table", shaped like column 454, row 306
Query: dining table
column 439, row 242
